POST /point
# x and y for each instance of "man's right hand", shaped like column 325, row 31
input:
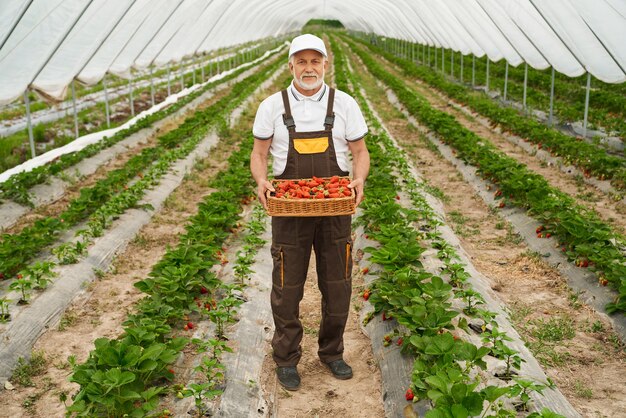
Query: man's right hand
column 262, row 187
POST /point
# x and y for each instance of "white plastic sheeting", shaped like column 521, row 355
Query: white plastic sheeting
column 45, row 44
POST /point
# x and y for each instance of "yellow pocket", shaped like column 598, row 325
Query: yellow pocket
column 311, row 145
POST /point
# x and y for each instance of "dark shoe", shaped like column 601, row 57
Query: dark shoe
column 288, row 377
column 340, row 369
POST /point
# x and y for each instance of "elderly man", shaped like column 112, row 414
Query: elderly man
column 309, row 129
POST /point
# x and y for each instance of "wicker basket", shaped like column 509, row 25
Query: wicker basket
column 310, row 207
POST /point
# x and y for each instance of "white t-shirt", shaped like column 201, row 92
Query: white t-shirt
column 309, row 114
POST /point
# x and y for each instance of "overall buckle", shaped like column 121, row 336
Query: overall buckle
column 330, row 120
column 289, row 122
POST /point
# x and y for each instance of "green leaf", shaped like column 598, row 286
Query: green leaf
column 459, row 411
column 119, row 378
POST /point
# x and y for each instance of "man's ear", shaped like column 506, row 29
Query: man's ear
column 290, row 67
column 325, row 64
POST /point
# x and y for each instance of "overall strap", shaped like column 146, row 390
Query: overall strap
column 330, row 116
column 287, row 117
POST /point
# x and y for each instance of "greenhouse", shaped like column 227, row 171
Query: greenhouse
column 312, row 209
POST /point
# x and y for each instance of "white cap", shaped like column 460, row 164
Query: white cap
column 307, row 41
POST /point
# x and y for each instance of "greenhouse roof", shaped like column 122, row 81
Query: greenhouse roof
column 46, row 44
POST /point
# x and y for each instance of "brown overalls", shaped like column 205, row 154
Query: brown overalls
column 310, row 154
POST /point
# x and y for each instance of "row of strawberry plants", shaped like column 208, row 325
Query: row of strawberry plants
column 103, row 199
column 606, row 107
column 181, row 286
column 17, row 186
column 420, row 301
column 592, row 159
column 582, row 235
column 606, row 102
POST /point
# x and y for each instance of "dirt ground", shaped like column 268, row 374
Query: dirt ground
column 541, row 304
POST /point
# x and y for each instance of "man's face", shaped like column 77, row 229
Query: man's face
column 308, row 68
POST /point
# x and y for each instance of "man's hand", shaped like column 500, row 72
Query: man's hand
column 357, row 186
column 360, row 167
column 262, row 187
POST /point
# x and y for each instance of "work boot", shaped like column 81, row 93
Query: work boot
column 340, row 369
column 288, row 377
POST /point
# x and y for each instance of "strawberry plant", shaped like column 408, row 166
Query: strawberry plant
column 40, row 273
column 23, row 285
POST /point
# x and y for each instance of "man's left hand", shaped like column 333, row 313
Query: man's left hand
column 357, row 186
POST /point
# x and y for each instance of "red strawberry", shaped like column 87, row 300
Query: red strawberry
column 397, row 197
column 548, row 235
column 409, row 394
column 400, row 341
column 603, row 281
column 501, row 205
column 19, row 276
column 203, row 290
column 190, row 325
column 366, row 270
column 366, row 294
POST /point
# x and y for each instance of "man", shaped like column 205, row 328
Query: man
column 309, row 128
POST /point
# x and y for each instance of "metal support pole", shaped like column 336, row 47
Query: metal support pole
column 506, row 78
column 452, row 63
column 473, row 70
column 74, row 107
column 443, row 58
column 130, row 95
column 487, row 80
column 31, row 139
column 586, row 105
column 461, row 67
column 182, row 75
column 169, row 89
column 423, row 54
column 151, row 87
column 429, row 55
column 106, row 101
column 436, row 65
column 525, row 84
column 551, row 99
column 202, row 70
column 193, row 78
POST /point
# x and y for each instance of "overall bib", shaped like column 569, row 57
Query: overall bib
column 310, row 154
